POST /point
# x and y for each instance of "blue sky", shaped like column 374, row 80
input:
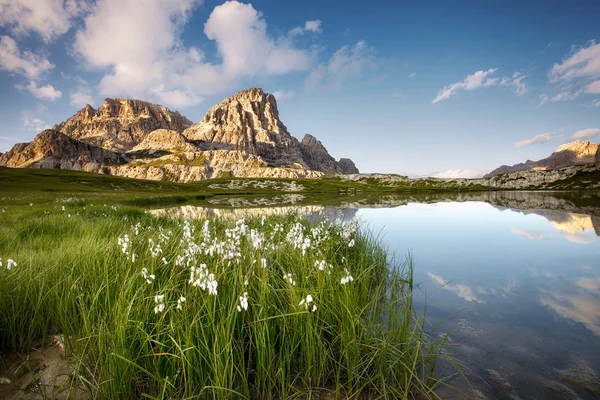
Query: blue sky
column 417, row 88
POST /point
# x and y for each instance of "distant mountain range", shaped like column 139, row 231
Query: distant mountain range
column 566, row 155
column 242, row 136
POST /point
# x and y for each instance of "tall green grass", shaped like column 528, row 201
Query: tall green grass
column 364, row 340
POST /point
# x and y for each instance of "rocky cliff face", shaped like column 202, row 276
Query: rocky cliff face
column 566, row 155
column 53, row 149
column 241, row 137
column 347, row 166
column 317, row 157
column 121, row 124
column 248, row 121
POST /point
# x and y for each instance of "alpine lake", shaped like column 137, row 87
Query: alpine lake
column 513, row 279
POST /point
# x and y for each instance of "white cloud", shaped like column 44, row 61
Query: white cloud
column 48, row 18
column 475, row 81
column 537, row 139
column 578, row 73
column 412, row 75
column 459, row 173
column 282, row 94
column 309, row 26
column 33, row 122
column 483, row 79
column 81, row 97
column 593, row 87
column 595, row 103
column 346, row 63
column 533, row 235
column 312, row 26
column 584, row 62
column 586, row 134
column 25, row 63
column 141, row 49
column 47, row 92
column 544, row 98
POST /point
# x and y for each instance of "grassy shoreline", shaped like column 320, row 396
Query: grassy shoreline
column 299, row 307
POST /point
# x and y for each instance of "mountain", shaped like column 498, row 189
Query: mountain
column 242, row 136
column 120, row 124
column 566, row 155
column 53, row 149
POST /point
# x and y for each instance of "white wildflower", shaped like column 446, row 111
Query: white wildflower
column 351, row 244
column 180, row 301
column 10, row 263
column 290, row 279
column 147, row 277
column 263, row 263
column 243, row 302
column 347, row 278
column 306, row 302
column 160, row 306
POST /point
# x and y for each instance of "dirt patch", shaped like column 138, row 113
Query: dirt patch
column 43, row 373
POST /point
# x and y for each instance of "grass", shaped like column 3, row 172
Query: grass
column 363, row 339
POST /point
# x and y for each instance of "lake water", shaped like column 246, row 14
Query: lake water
column 523, row 269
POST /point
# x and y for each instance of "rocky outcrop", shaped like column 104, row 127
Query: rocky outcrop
column 212, row 164
column 164, row 139
column 121, row 124
column 566, row 155
column 53, row 149
column 347, row 166
column 317, row 157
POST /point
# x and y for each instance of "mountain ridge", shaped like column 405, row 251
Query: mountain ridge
column 240, row 136
column 569, row 154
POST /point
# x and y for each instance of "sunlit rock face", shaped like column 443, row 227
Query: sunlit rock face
column 566, row 155
column 248, row 121
column 52, row 149
column 121, row 124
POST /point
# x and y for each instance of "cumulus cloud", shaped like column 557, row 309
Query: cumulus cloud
column 578, row 73
column 412, row 75
column 459, row 173
column 141, row 50
column 586, row 134
column 595, row 103
column 48, row 18
column 25, row 63
column 47, row 92
column 537, row 139
column 347, row 63
column 309, row 26
column 483, row 79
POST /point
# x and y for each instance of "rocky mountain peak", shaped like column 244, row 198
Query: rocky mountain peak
column 580, row 148
column 313, row 142
column 248, row 121
column 119, row 124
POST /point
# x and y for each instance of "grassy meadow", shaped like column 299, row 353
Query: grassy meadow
column 146, row 307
